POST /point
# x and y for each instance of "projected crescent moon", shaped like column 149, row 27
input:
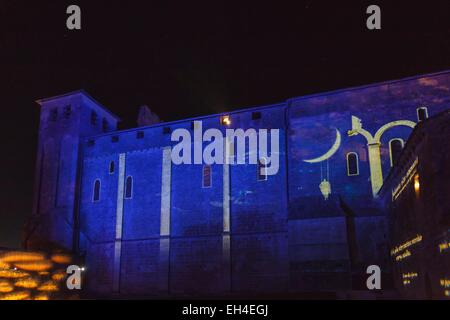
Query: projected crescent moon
column 330, row 152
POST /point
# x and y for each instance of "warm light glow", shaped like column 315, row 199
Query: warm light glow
column 48, row 286
column 405, row 180
column 32, row 275
column 59, row 275
column 35, row 265
column 416, row 183
column 5, row 286
column 444, row 246
column 27, row 283
column 13, row 274
column 19, row 256
column 61, row 258
column 226, row 120
column 408, row 277
column 445, row 283
column 19, row 295
column 402, row 256
column 406, row 244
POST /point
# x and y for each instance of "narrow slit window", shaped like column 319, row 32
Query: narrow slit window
column 395, row 148
column 352, row 164
column 207, row 178
column 129, row 187
column 111, row 167
column 96, row 195
column 422, row 114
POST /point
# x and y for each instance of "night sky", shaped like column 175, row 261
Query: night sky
column 192, row 58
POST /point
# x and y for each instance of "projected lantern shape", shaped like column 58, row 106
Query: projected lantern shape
column 325, row 188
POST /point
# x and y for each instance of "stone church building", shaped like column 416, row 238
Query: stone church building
column 148, row 227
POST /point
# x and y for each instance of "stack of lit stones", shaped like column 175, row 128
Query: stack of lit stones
column 28, row 275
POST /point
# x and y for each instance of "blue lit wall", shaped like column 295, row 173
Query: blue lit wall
column 317, row 229
column 197, row 264
column 284, row 235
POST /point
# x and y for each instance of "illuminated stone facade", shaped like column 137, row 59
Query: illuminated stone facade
column 416, row 195
column 148, row 227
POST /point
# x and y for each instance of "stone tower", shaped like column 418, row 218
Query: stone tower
column 64, row 121
column 146, row 117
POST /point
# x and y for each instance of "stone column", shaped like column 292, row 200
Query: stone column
column 119, row 223
column 164, row 241
column 376, row 172
column 226, row 237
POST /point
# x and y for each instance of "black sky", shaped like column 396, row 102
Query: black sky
column 190, row 58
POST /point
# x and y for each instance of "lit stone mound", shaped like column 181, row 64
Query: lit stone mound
column 27, row 283
column 18, row 256
column 5, row 286
column 28, row 275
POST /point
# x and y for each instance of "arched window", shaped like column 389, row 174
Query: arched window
column 395, row 148
column 422, row 113
column 129, row 187
column 352, row 164
column 207, row 181
column 96, row 195
column 111, row 167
